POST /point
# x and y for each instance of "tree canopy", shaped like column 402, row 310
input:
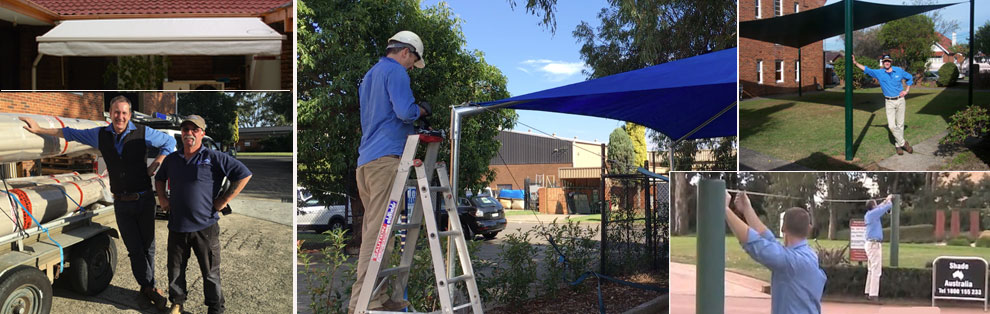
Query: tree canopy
column 217, row 108
column 909, row 41
column 621, row 154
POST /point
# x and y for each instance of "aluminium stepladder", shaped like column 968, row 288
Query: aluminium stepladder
column 376, row 277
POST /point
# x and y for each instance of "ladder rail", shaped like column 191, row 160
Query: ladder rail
column 432, row 236
column 412, row 236
column 461, row 243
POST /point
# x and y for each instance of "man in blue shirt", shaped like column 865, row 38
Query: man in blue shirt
column 796, row 280
column 387, row 115
column 123, row 146
column 890, row 78
column 195, row 175
column 874, row 252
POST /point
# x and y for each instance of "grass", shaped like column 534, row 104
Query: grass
column 311, row 237
column 265, row 154
column 810, row 130
column 683, row 250
column 576, row 218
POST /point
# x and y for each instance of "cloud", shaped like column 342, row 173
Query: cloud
column 553, row 71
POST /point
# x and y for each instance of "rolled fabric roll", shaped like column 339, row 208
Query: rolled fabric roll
column 17, row 144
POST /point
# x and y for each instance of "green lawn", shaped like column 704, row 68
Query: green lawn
column 683, row 250
column 265, row 154
column 810, row 130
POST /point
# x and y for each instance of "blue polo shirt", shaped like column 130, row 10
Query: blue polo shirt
column 194, row 184
column 890, row 82
column 387, row 111
column 796, row 280
column 91, row 137
column 874, row 228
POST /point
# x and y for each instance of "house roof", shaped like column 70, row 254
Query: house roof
column 155, row 7
column 830, row 55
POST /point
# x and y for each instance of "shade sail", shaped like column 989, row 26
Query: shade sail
column 696, row 94
column 162, row 36
column 803, row 28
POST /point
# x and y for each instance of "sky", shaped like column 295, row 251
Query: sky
column 958, row 12
column 532, row 58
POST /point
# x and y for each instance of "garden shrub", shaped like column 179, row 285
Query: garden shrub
column 958, row 241
column 510, row 281
column 972, row 122
column 948, row 74
column 860, row 79
column 984, row 240
column 577, row 245
column 325, row 297
column 848, row 280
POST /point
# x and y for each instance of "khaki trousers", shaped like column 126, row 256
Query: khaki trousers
column 374, row 179
column 895, row 119
column 874, row 257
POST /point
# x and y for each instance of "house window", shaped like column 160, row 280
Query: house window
column 779, row 70
column 797, row 71
column 797, row 7
column 777, row 4
column 759, row 71
column 757, row 8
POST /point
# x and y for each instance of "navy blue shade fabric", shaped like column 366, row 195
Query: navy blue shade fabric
column 652, row 174
column 803, row 28
column 673, row 98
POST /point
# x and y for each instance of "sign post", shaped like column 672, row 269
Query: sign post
column 857, row 240
column 959, row 278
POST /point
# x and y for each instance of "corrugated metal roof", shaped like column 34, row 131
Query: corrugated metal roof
column 579, row 173
column 522, row 149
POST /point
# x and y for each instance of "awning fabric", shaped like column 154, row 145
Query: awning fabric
column 161, row 36
column 803, row 28
column 674, row 98
column 652, row 174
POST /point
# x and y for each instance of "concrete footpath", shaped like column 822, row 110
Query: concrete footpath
column 744, row 295
column 922, row 159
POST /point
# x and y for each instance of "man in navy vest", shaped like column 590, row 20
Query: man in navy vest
column 124, row 147
column 194, row 202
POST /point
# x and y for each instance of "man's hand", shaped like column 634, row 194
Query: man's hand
column 742, row 203
column 890, row 198
column 153, row 167
column 163, row 202
column 426, row 109
column 31, row 126
column 220, row 203
column 902, row 94
column 854, row 59
column 728, row 199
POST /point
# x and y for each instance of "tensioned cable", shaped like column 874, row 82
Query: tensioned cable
column 798, row 198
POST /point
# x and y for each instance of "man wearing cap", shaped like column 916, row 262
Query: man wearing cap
column 194, row 176
column 874, row 251
column 890, row 78
column 124, row 146
column 388, row 111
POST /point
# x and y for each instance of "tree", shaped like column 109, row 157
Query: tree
column 909, row 41
column 943, row 25
column 981, row 41
column 264, row 109
column 637, row 133
column 866, row 43
column 338, row 41
column 217, row 108
column 621, row 154
column 682, row 199
column 860, row 78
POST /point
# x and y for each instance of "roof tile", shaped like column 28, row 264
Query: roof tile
column 97, row 7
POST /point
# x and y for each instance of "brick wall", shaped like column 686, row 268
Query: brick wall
column 72, row 105
column 812, row 56
column 521, row 172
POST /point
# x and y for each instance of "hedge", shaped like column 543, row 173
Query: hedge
column 848, row 280
column 909, row 234
column 948, row 74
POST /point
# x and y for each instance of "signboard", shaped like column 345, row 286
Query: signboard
column 959, row 278
column 857, row 240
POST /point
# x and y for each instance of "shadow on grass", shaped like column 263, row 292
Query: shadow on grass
column 819, row 160
column 756, row 120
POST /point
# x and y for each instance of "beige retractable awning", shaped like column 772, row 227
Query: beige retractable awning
column 161, row 36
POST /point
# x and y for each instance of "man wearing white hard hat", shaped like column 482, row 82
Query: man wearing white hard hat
column 388, row 111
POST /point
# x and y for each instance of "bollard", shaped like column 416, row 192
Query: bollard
column 895, row 226
column 710, row 293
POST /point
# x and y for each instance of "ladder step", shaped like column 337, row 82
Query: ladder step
column 462, row 306
column 457, row 279
column 390, row 271
column 439, row 189
column 406, row 226
column 448, row 233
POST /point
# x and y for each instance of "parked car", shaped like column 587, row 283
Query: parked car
column 482, row 215
column 313, row 214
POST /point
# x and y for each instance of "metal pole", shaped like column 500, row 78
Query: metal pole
column 604, row 213
column 799, row 72
column 972, row 76
column 849, row 79
column 895, row 226
column 710, row 293
column 670, row 154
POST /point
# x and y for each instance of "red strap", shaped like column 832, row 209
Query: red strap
column 27, row 206
column 80, row 200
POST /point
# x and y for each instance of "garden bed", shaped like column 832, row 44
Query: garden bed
column 617, row 298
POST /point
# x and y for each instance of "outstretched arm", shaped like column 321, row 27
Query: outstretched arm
column 736, row 224
column 33, row 127
column 744, row 206
column 860, row 66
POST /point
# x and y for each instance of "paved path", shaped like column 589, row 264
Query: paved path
column 924, row 157
column 744, row 295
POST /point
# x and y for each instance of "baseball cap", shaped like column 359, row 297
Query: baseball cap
column 886, row 58
column 196, row 120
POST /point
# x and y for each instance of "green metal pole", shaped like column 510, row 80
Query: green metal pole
column 710, row 293
column 895, row 229
column 972, row 77
column 849, row 79
column 799, row 72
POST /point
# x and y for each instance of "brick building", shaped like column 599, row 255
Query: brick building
column 23, row 21
column 767, row 68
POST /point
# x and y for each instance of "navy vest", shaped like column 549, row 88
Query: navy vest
column 128, row 170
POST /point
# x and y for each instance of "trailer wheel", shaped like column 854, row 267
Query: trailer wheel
column 93, row 263
column 25, row 290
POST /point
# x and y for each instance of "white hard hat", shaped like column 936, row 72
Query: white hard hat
column 410, row 39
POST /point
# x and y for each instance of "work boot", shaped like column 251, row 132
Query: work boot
column 155, row 296
column 908, row 148
column 392, row 305
column 176, row 308
column 899, row 150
